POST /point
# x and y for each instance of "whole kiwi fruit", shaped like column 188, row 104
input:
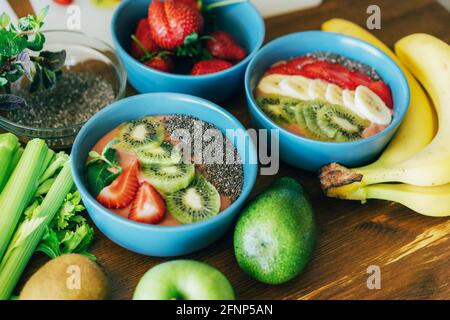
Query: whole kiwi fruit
column 68, row 277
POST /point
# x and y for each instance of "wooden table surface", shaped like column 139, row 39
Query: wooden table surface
column 411, row 250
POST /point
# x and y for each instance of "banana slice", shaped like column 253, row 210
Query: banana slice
column 295, row 87
column 334, row 94
column 348, row 97
column 317, row 89
column 371, row 106
column 270, row 84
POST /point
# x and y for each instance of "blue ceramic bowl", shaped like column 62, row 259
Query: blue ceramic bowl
column 241, row 20
column 311, row 154
column 161, row 241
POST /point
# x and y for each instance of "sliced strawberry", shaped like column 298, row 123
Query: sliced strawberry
column 148, row 205
column 360, row 79
column 300, row 62
column 329, row 72
column 121, row 192
column 322, row 69
column 283, row 69
column 383, row 91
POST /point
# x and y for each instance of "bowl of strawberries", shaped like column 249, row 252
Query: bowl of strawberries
column 197, row 47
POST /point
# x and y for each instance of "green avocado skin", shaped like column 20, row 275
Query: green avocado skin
column 275, row 235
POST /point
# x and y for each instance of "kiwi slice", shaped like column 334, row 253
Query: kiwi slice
column 305, row 117
column 340, row 123
column 169, row 179
column 280, row 110
column 199, row 201
column 165, row 154
column 142, row 133
column 310, row 114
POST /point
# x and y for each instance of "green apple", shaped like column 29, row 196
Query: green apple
column 275, row 234
column 183, row 280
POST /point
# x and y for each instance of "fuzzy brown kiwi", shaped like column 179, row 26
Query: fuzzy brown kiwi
column 50, row 281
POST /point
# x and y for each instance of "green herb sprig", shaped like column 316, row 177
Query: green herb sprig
column 17, row 42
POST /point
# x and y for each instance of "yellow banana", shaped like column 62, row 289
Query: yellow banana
column 408, row 140
column 429, row 201
column 427, row 57
column 106, row 3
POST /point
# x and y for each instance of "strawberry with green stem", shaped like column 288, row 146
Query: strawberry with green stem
column 176, row 25
column 156, row 60
column 171, row 22
column 142, row 33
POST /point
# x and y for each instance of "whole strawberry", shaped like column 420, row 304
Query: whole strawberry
column 223, row 46
column 192, row 3
column 160, row 62
column 171, row 22
column 142, row 33
column 210, row 66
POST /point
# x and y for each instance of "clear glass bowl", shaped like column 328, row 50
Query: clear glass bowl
column 84, row 54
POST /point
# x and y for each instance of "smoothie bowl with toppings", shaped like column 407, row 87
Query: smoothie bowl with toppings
column 163, row 184
column 333, row 98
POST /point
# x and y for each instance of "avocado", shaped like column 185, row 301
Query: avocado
column 275, row 235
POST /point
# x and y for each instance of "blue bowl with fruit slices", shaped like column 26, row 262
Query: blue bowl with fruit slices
column 242, row 20
column 310, row 154
column 156, row 240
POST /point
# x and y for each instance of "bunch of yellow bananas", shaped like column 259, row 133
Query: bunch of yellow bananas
column 414, row 170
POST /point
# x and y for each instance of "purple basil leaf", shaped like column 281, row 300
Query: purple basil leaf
column 11, row 102
column 25, row 61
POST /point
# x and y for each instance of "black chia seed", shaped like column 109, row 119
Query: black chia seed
column 346, row 62
column 226, row 177
column 75, row 98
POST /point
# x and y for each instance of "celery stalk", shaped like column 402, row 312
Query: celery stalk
column 58, row 162
column 20, row 189
column 9, row 144
column 15, row 160
column 49, row 158
column 30, row 232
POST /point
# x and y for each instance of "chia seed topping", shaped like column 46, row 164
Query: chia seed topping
column 75, row 98
column 226, row 177
column 346, row 62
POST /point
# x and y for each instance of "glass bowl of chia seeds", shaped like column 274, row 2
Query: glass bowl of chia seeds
column 92, row 78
